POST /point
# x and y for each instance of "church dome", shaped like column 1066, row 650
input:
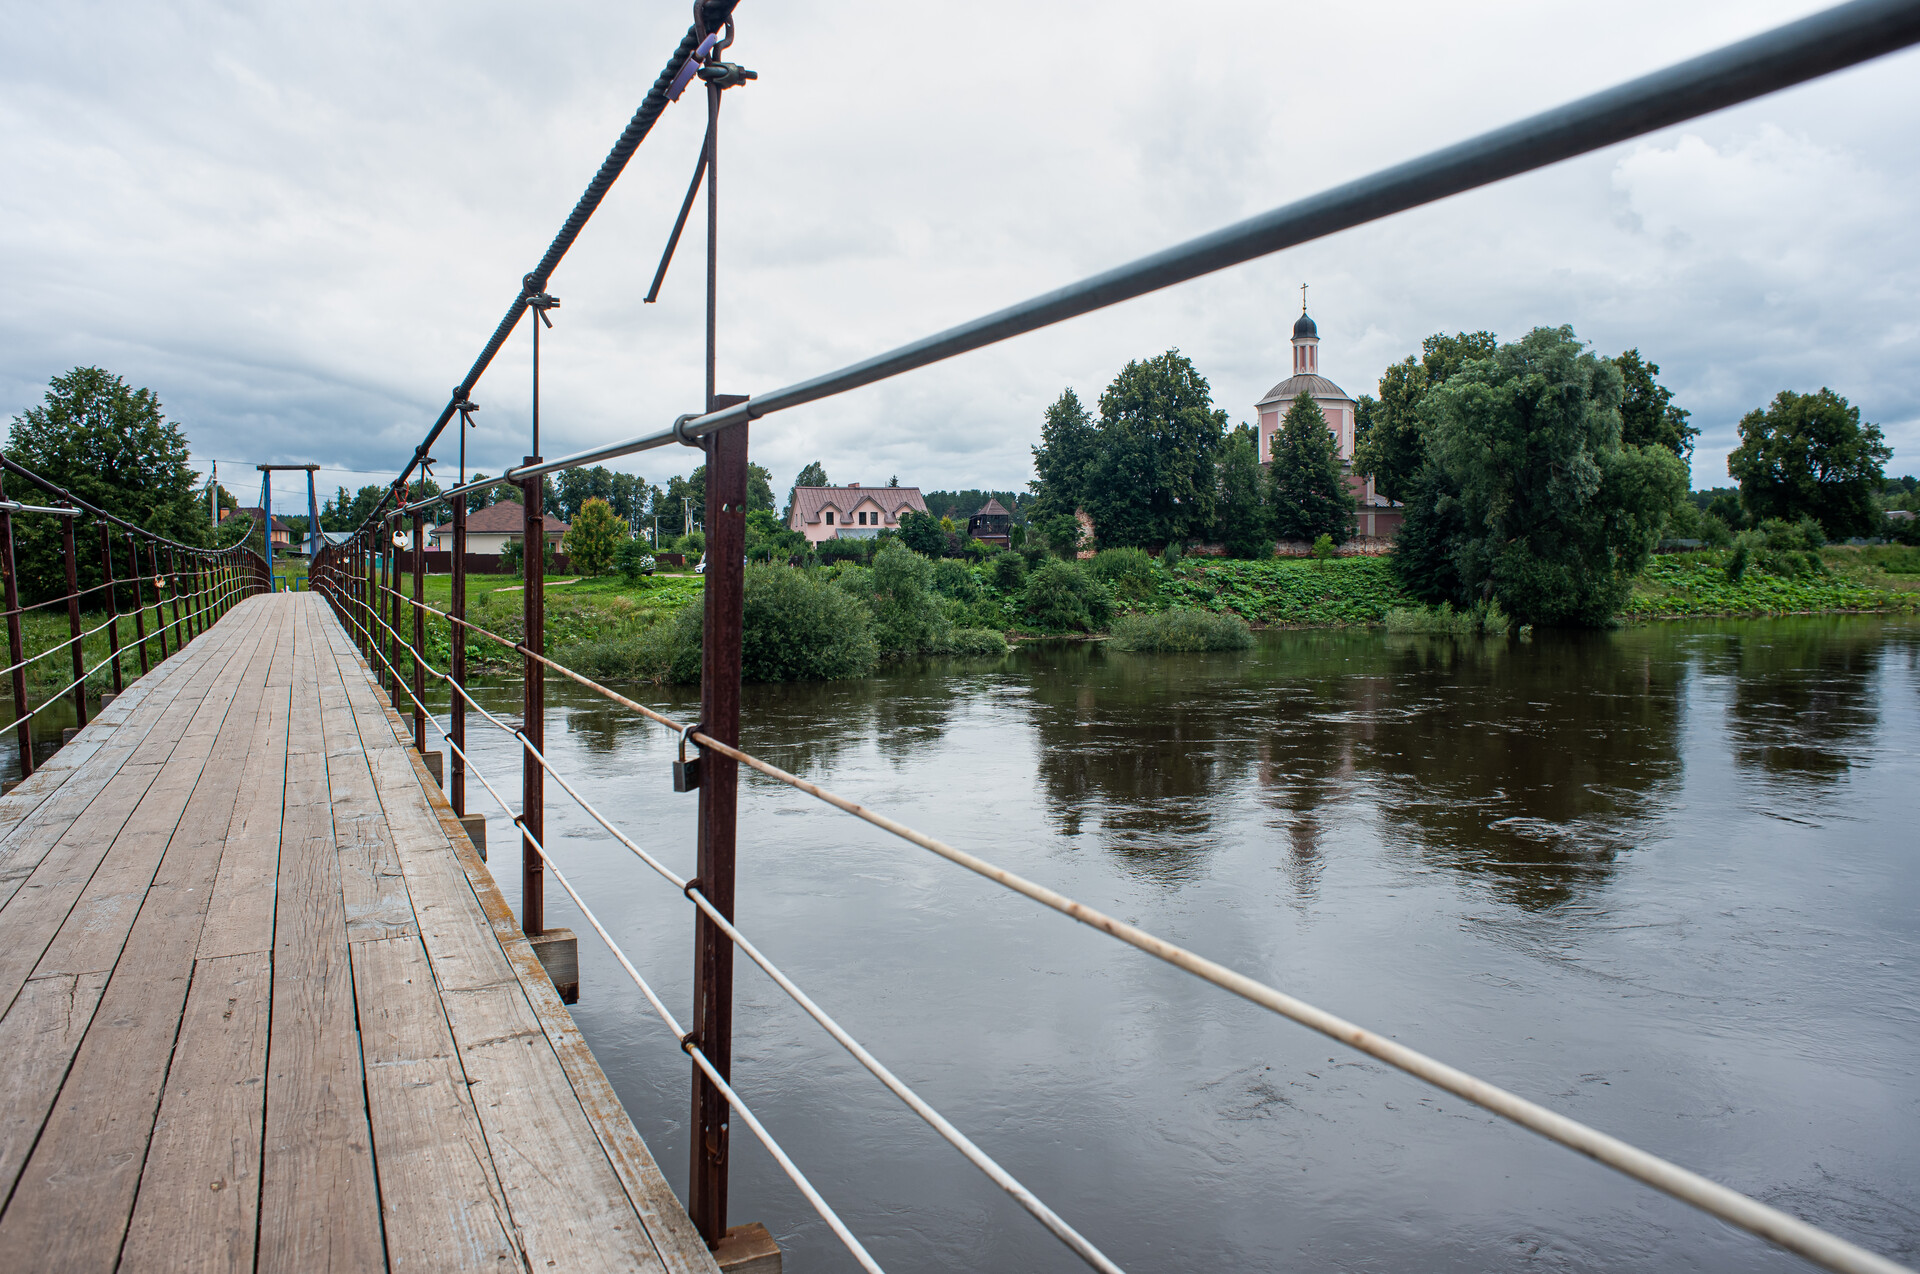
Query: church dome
column 1305, row 327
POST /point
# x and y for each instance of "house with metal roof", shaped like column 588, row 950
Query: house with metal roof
column 852, row 512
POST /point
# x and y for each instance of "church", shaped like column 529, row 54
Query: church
column 1377, row 516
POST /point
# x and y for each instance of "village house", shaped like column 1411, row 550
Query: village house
column 852, row 512
column 491, row 529
column 282, row 533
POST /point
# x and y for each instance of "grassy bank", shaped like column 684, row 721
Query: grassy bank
column 1836, row 579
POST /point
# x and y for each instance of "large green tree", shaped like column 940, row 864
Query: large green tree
column 1306, row 488
column 1808, row 455
column 1246, row 524
column 112, row 446
column 813, row 475
column 1068, row 452
column 1529, row 497
column 1159, row 439
column 592, row 537
column 759, row 488
column 1648, row 417
column 1389, row 436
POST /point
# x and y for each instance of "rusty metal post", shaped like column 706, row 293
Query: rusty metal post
column 719, row 794
column 457, row 758
column 173, row 587
column 15, row 647
column 113, row 603
column 73, row 623
column 159, row 600
column 419, row 632
column 139, row 607
column 533, row 705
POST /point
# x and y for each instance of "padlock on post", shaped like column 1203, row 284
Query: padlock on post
column 686, row 774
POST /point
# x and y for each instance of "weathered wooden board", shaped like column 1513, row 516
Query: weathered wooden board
column 198, row 1204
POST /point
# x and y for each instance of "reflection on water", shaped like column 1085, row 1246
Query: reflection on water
column 1662, row 879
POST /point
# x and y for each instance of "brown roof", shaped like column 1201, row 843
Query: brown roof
column 258, row 516
column 993, row 509
column 506, row 517
column 810, row 502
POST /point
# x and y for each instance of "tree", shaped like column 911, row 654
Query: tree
column 593, row 537
column 1160, row 436
column 1389, row 442
column 1246, row 522
column 1808, row 455
column 1648, row 417
column 1306, row 489
column 921, row 532
column 759, row 487
column 1528, row 497
column 110, row 445
column 813, row 475
column 1069, row 448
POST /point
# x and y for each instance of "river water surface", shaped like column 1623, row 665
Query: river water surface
column 1664, row 880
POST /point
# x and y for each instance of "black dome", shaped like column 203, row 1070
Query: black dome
column 1305, row 327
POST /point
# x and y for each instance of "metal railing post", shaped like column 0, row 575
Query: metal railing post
column 15, row 647
column 457, row 760
column 533, row 705
column 173, row 587
column 139, row 607
column 719, row 795
column 419, row 632
column 159, row 601
column 113, row 603
column 73, row 621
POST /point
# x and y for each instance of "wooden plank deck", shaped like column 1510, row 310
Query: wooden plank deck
column 262, row 1006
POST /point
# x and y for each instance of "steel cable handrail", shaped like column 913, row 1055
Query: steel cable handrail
column 1723, row 1202
column 692, row 1050
column 55, row 601
column 925, row 1110
column 59, row 696
column 95, row 510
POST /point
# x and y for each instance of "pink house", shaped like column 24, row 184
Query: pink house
column 851, row 512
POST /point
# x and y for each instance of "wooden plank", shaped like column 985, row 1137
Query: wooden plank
column 319, row 1208
column 240, row 912
column 568, row 1202
column 374, row 887
column 35, row 835
column 53, row 775
column 197, row 1208
column 444, row 901
column 128, row 816
column 437, row 1190
column 76, row 1193
column 37, row 1038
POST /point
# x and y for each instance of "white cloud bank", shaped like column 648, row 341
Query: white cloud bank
column 298, row 223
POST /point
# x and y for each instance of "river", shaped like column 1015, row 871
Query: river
column 1664, row 880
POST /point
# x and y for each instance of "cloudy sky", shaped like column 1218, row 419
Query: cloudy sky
column 298, row 222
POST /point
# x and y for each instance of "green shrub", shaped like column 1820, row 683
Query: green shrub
column 1008, row 572
column 954, row 579
column 692, row 544
column 1323, row 548
column 1737, row 562
column 634, row 560
column 975, row 641
column 1483, row 619
column 837, row 550
column 1180, row 629
column 1060, row 597
column 797, row 627
column 1714, row 532
column 1127, row 573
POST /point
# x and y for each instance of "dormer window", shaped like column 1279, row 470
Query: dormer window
column 829, row 517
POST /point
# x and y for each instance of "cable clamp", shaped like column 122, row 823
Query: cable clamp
column 680, row 430
column 726, row 74
column 687, row 889
column 689, row 1042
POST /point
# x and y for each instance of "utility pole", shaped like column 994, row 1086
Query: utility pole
column 213, row 494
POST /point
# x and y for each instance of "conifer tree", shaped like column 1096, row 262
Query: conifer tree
column 1246, row 523
column 1306, row 488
